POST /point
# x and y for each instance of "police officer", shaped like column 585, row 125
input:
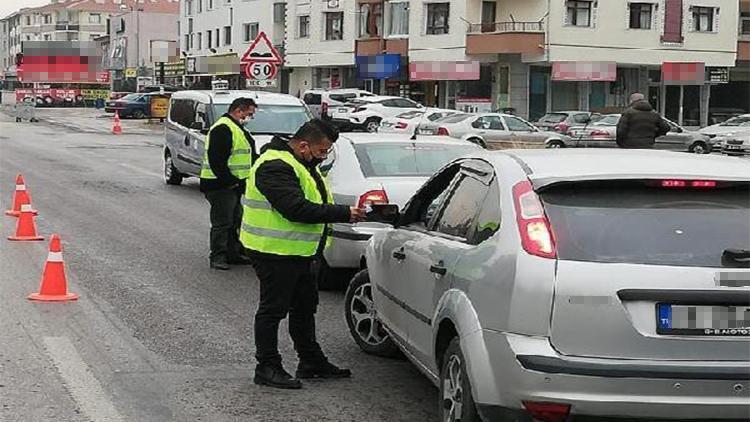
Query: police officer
column 287, row 208
column 228, row 157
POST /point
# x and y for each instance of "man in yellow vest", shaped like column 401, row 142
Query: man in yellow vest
column 228, row 156
column 287, row 208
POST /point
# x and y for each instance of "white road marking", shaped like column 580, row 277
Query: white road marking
column 140, row 170
column 81, row 384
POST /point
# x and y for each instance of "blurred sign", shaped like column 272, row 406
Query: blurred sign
column 674, row 73
column 381, row 66
column 261, row 83
column 225, row 64
column 62, row 61
column 584, row 71
column 174, row 69
column 159, row 107
column 474, row 105
column 164, row 51
column 95, row 94
column 718, row 75
column 444, row 71
column 131, row 72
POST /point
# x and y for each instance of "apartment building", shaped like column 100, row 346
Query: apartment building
column 214, row 34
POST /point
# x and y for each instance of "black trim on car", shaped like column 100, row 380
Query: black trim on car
column 188, row 160
column 688, row 297
column 403, row 305
column 555, row 365
column 350, row 236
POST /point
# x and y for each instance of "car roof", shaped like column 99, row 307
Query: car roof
column 376, row 98
column 545, row 167
column 226, row 97
column 371, row 138
column 568, row 112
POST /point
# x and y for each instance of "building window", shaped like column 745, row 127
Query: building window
column 303, row 27
column 47, row 19
column 227, row 35
column 437, row 18
column 217, row 36
column 209, row 39
column 95, row 18
column 190, row 25
column 370, row 20
column 279, row 12
column 249, row 31
column 579, row 13
column 199, row 6
column 28, row 20
column 703, row 19
column 398, row 18
column 210, row 5
column 47, row 37
column 188, row 7
column 192, row 40
column 745, row 23
column 187, row 42
column 200, row 41
column 640, row 15
column 334, row 22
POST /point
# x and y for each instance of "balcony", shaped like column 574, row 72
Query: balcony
column 505, row 38
column 375, row 46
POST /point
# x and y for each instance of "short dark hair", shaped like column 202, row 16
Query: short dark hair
column 242, row 103
column 315, row 131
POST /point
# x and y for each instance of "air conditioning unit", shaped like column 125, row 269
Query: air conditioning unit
column 333, row 4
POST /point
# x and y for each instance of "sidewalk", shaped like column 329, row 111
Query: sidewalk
column 90, row 120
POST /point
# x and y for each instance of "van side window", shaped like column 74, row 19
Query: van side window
column 201, row 115
column 182, row 112
column 312, row 99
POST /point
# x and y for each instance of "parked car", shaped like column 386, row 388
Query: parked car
column 603, row 134
column 137, row 105
column 365, row 169
column 192, row 113
column 116, row 95
column 322, row 101
column 561, row 121
column 158, row 88
column 735, row 144
column 495, row 131
column 366, row 113
column 407, row 122
column 528, row 285
column 735, row 125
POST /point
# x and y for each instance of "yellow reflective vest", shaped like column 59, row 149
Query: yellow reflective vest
column 240, row 161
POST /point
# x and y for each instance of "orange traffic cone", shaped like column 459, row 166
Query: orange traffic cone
column 54, row 287
column 117, row 127
column 26, row 228
column 20, row 196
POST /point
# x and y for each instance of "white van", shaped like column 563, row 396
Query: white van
column 322, row 101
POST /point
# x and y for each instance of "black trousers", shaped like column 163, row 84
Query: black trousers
column 287, row 286
column 226, row 217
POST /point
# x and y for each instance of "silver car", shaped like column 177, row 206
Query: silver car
column 569, row 285
column 495, row 131
column 366, row 169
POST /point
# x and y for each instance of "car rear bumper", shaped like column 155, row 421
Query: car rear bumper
column 507, row 369
column 348, row 245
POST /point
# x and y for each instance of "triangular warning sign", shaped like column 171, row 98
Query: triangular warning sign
column 261, row 50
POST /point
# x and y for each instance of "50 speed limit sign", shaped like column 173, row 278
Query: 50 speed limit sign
column 260, row 70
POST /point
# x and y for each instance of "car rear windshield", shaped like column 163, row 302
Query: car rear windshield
column 454, row 118
column 553, row 118
column 131, row 97
column 402, row 159
column 737, row 121
column 644, row 223
column 342, row 98
column 312, row 99
column 272, row 119
column 410, row 115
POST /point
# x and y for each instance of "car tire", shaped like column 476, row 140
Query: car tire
column 361, row 318
column 456, row 402
column 371, row 125
column 329, row 278
column 478, row 142
column 555, row 144
column 172, row 176
column 138, row 114
column 699, row 148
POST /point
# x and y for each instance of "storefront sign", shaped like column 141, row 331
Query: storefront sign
column 584, row 71
column 674, row 73
column 159, row 107
column 174, row 69
column 131, row 72
column 62, row 61
column 718, row 75
column 444, row 71
column 474, row 105
column 381, row 66
column 225, row 64
column 95, row 94
column 51, row 96
column 261, row 83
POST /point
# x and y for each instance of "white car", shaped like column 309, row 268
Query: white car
column 366, row 113
column 734, row 126
column 735, row 145
column 365, row 169
column 321, row 101
column 413, row 119
column 495, row 131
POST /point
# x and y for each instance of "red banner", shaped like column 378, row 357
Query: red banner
column 60, row 69
column 50, row 96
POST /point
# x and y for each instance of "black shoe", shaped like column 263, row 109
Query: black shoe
column 240, row 260
column 323, row 369
column 275, row 376
column 219, row 265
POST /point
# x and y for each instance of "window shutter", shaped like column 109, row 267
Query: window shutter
column 716, row 19
column 594, row 13
column 672, row 21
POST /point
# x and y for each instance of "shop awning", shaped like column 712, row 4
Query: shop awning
column 584, row 71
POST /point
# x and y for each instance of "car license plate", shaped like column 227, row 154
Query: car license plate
column 425, row 132
column 702, row 320
column 343, row 110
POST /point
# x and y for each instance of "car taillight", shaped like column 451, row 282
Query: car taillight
column 359, row 108
column 401, row 125
column 688, row 183
column 547, row 412
column 324, row 109
column 443, row 132
column 373, row 197
column 536, row 234
column 561, row 127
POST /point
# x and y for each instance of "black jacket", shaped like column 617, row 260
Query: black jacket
column 639, row 126
column 219, row 150
column 278, row 182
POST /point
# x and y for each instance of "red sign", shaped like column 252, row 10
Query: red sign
column 673, row 73
column 50, row 96
column 261, row 50
column 584, row 71
column 61, row 69
column 444, row 71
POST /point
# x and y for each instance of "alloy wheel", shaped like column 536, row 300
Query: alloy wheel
column 364, row 316
column 453, row 390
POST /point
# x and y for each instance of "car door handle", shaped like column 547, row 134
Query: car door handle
column 438, row 269
column 399, row 254
column 187, row 141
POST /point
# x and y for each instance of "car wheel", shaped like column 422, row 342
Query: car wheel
column 362, row 318
column 478, row 142
column 699, row 148
column 372, row 124
column 555, row 144
column 332, row 278
column 171, row 175
column 139, row 114
column 456, row 401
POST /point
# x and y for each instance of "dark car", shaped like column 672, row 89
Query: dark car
column 137, row 106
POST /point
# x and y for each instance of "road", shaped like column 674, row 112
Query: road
column 156, row 334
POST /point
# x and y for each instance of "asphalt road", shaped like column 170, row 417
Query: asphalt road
column 156, row 335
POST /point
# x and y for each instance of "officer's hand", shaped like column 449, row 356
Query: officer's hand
column 356, row 214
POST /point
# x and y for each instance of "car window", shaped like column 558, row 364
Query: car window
column 342, row 98
column 312, row 99
column 553, row 117
column 410, row 115
column 610, row 120
column 272, row 119
column 182, row 112
column 403, row 102
column 406, row 159
column 488, row 219
column 130, row 97
column 455, row 118
column 389, row 103
column 737, row 121
column 581, row 117
column 201, row 114
column 437, row 116
column 517, row 125
column 457, row 216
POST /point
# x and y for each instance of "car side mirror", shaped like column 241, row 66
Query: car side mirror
column 419, row 105
column 196, row 126
column 675, row 129
column 383, row 213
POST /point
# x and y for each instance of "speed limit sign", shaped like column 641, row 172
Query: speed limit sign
column 260, row 70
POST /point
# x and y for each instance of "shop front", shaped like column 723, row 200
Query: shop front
column 447, row 84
